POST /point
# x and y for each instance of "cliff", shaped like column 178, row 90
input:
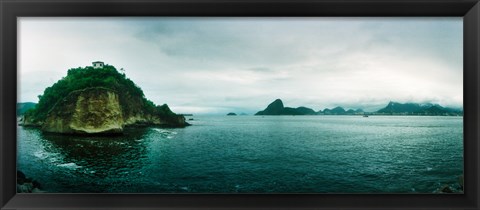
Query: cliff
column 99, row 106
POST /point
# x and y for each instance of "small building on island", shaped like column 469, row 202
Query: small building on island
column 97, row 64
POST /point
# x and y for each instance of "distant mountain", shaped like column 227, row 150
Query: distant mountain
column 392, row 108
column 341, row 111
column 338, row 110
column 395, row 108
column 350, row 112
column 231, row 114
column 277, row 108
column 24, row 107
column 305, row 110
column 434, row 110
column 274, row 108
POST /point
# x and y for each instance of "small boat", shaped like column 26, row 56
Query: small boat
column 365, row 115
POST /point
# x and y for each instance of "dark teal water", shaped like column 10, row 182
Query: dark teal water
column 254, row 154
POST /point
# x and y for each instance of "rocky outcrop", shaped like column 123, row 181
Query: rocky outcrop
column 27, row 185
column 93, row 110
column 99, row 111
column 452, row 187
column 96, row 101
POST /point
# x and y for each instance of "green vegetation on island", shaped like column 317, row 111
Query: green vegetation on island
column 97, row 100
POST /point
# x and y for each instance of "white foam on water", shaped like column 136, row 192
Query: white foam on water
column 54, row 159
column 71, row 166
column 429, row 169
column 44, row 155
column 166, row 133
column 161, row 130
column 40, row 154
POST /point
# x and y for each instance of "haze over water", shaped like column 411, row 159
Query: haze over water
column 254, row 154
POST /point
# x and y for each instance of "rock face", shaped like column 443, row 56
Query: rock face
column 94, row 110
column 99, row 111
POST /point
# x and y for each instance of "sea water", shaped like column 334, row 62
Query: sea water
column 253, row 154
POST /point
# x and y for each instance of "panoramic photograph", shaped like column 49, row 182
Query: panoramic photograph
column 240, row 105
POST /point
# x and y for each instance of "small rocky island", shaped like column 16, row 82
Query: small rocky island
column 97, row 100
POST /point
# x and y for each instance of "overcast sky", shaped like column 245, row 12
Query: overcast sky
column 220, row 65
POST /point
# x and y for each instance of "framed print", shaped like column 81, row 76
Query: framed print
column 204, row 104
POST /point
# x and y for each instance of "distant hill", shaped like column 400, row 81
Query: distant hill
column 392, row 108
column 24, row 107
column 350, row 111
column 305, row 110
column 274, row 108
column 395, row 108
column 277, row 108
column 338, row 110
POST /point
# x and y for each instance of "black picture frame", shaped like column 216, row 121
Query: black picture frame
column 11, row 9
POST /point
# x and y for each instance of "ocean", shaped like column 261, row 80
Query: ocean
column 253, row 154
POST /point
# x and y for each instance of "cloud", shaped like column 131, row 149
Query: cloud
column 218, row 64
